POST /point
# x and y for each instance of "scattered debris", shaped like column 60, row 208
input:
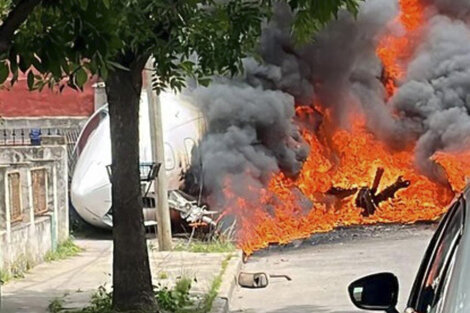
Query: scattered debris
column 341, row 193
column 297, row 243
column 280, row 276
column 190, row 210
column 258, row 280
column 367, row 197
column 253, row 280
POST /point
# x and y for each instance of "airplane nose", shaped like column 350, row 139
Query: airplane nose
column 91, row 192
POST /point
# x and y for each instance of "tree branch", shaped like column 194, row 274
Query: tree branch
column 13, row 21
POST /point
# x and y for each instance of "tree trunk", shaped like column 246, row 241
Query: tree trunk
column 132, row 283
column 12, row 22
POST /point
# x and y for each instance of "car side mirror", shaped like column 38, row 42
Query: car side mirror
column 378, row 292
column 253, row 280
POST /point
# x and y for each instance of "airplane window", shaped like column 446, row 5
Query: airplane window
column 169, row 157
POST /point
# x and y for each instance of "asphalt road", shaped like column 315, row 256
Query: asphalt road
column 322, row 267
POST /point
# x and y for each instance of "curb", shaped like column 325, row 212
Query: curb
column 229, row 281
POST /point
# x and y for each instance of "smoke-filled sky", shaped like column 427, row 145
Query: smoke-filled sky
column 251, row 129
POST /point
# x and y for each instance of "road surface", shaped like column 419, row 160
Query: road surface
column 322, row 267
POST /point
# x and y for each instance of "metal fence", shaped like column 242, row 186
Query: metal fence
column 71, row 138
column 21, row 137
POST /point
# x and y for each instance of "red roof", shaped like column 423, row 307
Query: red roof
column 18, row 101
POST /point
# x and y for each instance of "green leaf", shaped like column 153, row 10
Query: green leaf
column 106, row 3
column 118, row 66
column 25, row 63
column 30, row 80
column 37, row 64
column 83, row 4
column 4, row 71
column 81, row 77
column 104, row 73
column 204, row 81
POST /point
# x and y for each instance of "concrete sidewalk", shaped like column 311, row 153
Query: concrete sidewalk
column 78, row 277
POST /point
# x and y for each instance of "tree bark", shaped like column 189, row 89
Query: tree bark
column 13, row 21
column 132, row 283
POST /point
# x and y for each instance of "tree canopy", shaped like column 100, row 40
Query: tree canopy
column 196, row 38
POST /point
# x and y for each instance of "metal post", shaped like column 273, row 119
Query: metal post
column 1, row 283
column 161, row 185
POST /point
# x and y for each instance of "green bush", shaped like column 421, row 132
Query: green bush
column 101, row 302
column 64, row 250
column 176, row 300
column 212, row 246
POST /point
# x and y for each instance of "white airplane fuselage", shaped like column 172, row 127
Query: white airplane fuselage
column 183, row 126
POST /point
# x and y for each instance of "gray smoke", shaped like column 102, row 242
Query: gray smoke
column 251, row 132
column 455, row 8
column 328, row 67
column 339, row 68
column 431, row 106
column 284, row 67
column 434, row 101
column 347, row 71
column 250, row 136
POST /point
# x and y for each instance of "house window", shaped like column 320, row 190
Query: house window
column 39, row 184
column 14, row 191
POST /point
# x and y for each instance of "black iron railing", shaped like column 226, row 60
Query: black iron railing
column 33, row 136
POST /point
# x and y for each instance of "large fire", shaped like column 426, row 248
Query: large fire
column 395, row 50
column 300, row 207
column 295, row 208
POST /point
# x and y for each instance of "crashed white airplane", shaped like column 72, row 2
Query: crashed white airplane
column 183, row 126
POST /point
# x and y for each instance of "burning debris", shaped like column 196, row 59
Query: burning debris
column 293, row 146
column 367, row 198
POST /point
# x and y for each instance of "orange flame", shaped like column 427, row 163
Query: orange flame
column 292, row 209
column 394, row 51
column 456, row 165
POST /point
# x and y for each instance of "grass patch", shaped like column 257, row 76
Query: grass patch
column 209, row 298
column 213, row 246
column 17, row 269
column 162, row 275
column 174, row 300
column 56, row 306
column 64, row 250
column 5, row 277
column 101, row 302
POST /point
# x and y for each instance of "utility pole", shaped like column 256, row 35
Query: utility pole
column 158, row 152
